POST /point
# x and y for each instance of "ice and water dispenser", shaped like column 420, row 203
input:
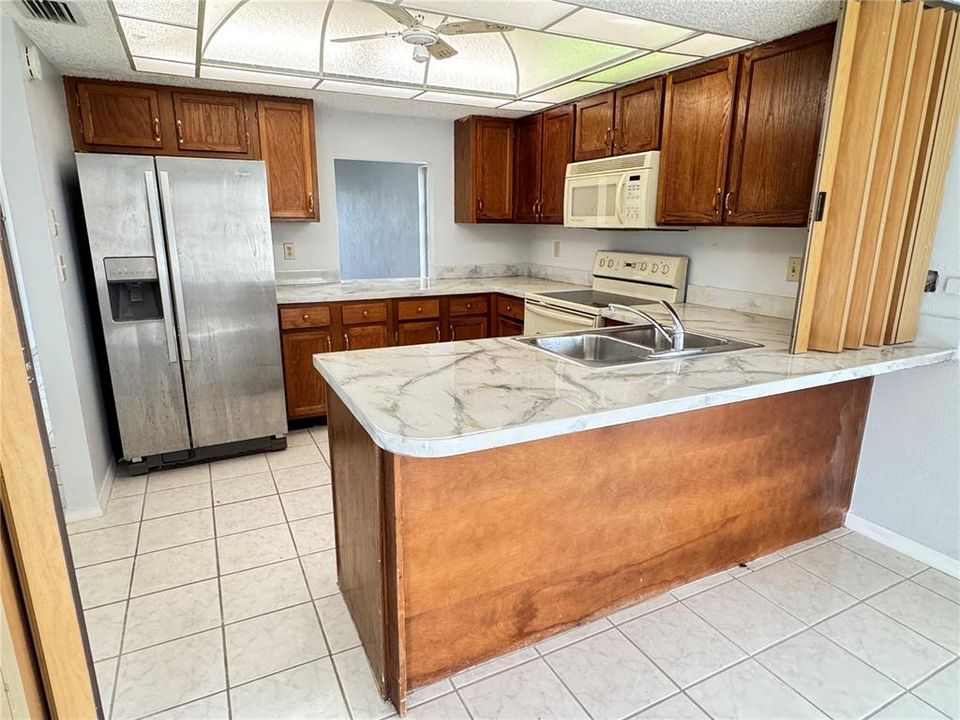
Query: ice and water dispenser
column 134, row 288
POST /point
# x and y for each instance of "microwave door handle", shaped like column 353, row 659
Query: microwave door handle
column 160, row 254
column 618, row 200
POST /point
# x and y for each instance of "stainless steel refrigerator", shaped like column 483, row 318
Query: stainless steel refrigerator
column 183, row 265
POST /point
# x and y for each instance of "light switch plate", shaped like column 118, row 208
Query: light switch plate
column 556, row 248
column 794, row 265
column 289, row 251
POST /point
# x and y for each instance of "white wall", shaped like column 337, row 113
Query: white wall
column 365, row 136
column 39, row 174
column 908, row 480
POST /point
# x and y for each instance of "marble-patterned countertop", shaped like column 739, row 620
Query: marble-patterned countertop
column 375, row 289
column 458, row 397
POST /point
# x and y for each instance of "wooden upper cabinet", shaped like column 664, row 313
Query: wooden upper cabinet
column 212, row 122
column 287, row 148
column 557, row 151
column 120, row 116
column 780, row 105
column 527, row 169
column 483, row 169
column 637, row 121
column 697, row 122
column 594, row 127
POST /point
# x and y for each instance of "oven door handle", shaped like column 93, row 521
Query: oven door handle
column 575, row 318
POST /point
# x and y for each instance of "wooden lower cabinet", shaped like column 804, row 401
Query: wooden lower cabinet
column 305, row 390
column 419, row 332
column 310, row 329
column 366, row 337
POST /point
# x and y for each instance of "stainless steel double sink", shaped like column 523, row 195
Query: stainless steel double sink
column 629, row 345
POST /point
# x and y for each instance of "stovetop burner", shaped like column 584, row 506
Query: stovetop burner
column 593, row 298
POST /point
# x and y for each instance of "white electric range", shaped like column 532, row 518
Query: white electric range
column 624, row 278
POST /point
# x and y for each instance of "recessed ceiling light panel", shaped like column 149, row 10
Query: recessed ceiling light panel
column 279, row 35
column 533, row 14
column 455, row 99
column 157, row 40
column 525, row 106
column 651, row 64
column 544, row 59
column 176, row 12
column 483, row 63
column 163, row 67
column 708, row 44
column 569, row 91
column 213, row 72
column 620, row 29
column 364, row 89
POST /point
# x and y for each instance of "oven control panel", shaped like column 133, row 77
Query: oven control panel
column 669, row 270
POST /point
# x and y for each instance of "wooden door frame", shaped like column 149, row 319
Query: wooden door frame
column 29, row 502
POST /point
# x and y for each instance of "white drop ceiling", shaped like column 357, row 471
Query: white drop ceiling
column 558, row 51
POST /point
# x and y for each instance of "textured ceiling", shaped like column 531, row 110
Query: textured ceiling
column 561, row 50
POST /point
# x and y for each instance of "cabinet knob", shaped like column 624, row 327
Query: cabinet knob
column 509, row 308
column 364, row 313
column 306, row 317
column 469, row 305
column 419, row 308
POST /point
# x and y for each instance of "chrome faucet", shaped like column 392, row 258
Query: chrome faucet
column 674, row 336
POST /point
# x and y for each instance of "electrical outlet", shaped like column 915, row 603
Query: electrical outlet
column 794, row 265
column 289, row 251
column 556, row 248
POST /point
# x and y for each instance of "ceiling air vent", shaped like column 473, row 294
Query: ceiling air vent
column 52, row 11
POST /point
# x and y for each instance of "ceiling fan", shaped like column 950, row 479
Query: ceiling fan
column 426, row 40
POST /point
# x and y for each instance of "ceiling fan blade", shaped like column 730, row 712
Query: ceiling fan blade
column 358, row 38
column 470, row 27
column 398, row 13
column 440, row 50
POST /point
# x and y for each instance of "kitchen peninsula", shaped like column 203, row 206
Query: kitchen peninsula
column 488, row 494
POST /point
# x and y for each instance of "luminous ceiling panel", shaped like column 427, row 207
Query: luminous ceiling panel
column 389, row 59
column 533, row 14
column 571, row 90
column 525, row 106
column 214, row 13
column 156, row 40
column 546, row 59
column 178, row 12
column 251, row 76
column 709, row 44
column 483, row 63
column 652, row 64
column 455, row 99
column 164, row 67
column 621, row 29
column 284, row 35
column 364, row 89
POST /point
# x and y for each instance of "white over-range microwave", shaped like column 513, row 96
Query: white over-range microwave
column 614, row 192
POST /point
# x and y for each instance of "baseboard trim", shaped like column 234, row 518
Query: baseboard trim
column 910, row 548
column 94, row 511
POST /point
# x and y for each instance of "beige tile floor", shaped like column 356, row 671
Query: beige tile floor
column 210, row 592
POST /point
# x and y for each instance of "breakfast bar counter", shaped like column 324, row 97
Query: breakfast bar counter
column 488, row 494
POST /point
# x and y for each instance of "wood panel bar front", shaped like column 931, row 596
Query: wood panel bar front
column 485, row 552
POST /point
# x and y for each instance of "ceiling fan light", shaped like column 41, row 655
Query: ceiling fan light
column 420, row 54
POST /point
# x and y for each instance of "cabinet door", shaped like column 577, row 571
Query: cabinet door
column 557, row 152
column 637, row 123
column 119, row 115
column 508, row 327
column 418, row 332
column 210, row 122
column 526, row 177
column 364, row 337
column 594, row 127
column 468, row 328
column 780, row 105
column 305, row 389
column 697, row 120
column 494, row 167
column 287, row 147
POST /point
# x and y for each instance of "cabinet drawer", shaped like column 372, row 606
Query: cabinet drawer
column 510, row 307
column 304, row 317
column 468, row 305
column 355, row 313
column 418, row 308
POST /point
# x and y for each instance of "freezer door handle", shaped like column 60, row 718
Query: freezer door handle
column 160, row 253
column 174, row 255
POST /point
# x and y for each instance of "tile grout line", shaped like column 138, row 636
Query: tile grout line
column 223, row 618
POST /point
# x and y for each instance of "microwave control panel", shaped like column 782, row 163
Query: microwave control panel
column 669, row 270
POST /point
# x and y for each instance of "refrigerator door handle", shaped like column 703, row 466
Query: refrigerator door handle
column 160, row 253
column 174, row 255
